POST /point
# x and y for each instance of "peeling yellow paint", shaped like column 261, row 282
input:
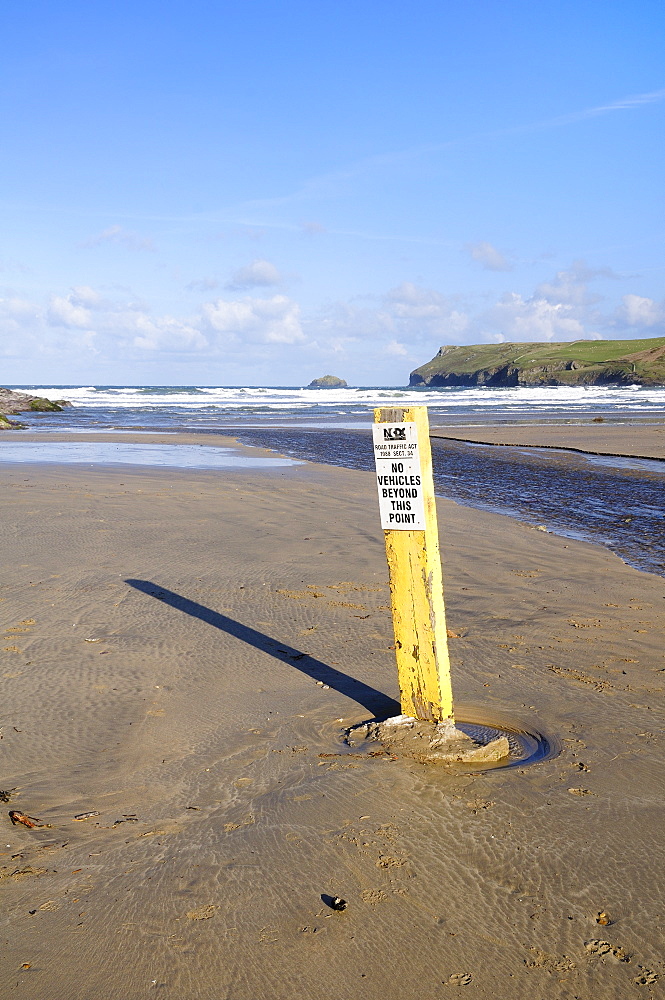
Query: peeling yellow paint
column 416, row 593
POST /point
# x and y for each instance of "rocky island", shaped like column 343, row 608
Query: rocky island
column 579, row 362
column 21, row 402
column 327, row 382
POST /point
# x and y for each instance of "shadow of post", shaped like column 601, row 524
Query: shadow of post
column 376, row 702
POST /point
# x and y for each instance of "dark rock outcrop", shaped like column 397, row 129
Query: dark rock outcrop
column 327, row 382
column 9, row 425
column 22, row 402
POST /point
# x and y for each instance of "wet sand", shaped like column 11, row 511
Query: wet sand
column 628, row 440
column 168, row 635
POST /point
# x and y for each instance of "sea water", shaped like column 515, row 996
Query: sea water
column 205, row 407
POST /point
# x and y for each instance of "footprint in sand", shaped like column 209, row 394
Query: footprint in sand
column 202, row 912
column 388, row 861
column 646, row 978
column 458, row 979
column 373, row 896
column 595, row 947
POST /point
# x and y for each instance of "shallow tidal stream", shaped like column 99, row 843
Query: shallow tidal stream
column 616, row 502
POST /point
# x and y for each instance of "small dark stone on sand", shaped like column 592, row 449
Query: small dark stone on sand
column 334, row 902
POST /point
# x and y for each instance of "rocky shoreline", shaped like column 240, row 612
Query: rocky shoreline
column 12, row 402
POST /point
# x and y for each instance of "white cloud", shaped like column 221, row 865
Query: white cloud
column 408, row 321
column 83, row 295
column 418, row 312
column 535, row 318
column 258, row 274
column 165, row 333
column 409, row 311
column 14, row 309
column 74, row 311
column 67, row 313
column 413, row 321
column 490, row 258
column 19, row 319
column 562, row 308
column 409, row 301
column 403, row 327
column 636, row 310
column 571, row 284
column 261, row 321
column 120, row 325
column 123, row 237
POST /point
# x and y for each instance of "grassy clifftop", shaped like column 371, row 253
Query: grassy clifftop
column 580, row 362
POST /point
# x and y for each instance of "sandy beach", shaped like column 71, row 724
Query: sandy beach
column 629, row 439
column 182, row 652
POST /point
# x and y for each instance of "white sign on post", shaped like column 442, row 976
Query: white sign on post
column 398, row 476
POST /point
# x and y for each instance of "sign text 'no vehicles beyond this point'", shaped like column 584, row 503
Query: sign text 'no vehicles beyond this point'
column 399, row 476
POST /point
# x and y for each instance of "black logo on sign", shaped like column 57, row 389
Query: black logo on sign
column 394, row 434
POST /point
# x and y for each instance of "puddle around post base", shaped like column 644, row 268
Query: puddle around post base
column 502, row 741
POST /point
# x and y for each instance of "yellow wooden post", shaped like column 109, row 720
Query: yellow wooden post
column 414, row 563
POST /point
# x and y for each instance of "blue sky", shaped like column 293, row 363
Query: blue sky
column 261, row 193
